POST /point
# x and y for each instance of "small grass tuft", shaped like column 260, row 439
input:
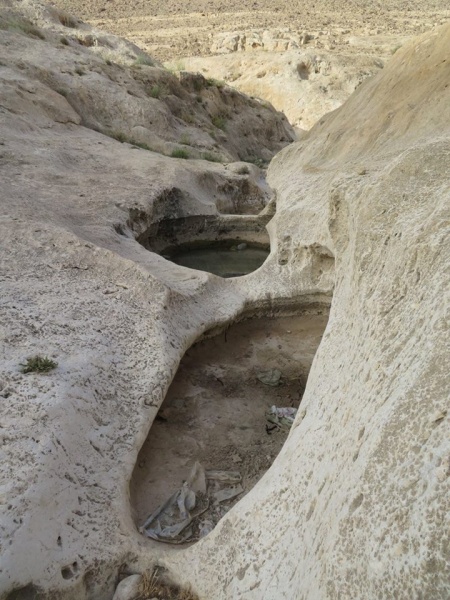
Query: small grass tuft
column 142, row 145
column 175, row 67
column 64, row 41
column 38, row 364
column 219, row 121
column 144, row 60
column 211, row 157
column 156, row 91
column 179, row 153
column 185, row 140
column 21, row 25
column 79, row 71
column 118, row 135
column 188, row 118
column 125, row 139
column 211, row 82
column 255, row 160
column 67, row 20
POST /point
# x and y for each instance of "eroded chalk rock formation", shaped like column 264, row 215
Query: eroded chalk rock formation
column 268, row 40
column 355, row 504
column 304, row 84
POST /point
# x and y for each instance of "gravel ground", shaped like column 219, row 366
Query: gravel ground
column 168, row 30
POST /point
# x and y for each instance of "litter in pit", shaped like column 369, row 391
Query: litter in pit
column 203, row 494
column 281, row 417
column 271, row 377
column 215, row 411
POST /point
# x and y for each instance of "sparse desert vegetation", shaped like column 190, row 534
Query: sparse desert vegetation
column 21, row 25
column 38, row 364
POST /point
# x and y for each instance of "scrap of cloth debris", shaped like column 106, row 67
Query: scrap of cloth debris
column 195, row 508
column 280, row 418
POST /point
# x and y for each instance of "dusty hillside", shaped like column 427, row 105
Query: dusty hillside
column 304, row 59
column 120, row 91
column 169, row 30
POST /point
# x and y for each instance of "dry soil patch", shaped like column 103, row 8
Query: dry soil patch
column 215, row 409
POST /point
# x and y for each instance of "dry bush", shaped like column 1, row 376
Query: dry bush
column 20, row 25
column 152, row 586
column 67, row 20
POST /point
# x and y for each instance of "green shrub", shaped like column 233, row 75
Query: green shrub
column 38, row 364
column 179, row 153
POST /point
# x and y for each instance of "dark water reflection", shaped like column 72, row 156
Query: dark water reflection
column 233, row 259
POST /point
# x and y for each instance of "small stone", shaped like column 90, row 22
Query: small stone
column 128, row 588
column 242, row 246
column 439, row 416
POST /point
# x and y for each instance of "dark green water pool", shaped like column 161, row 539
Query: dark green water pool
column 226, row 260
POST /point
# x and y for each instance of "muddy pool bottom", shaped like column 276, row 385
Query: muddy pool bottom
column 215, row 415
column 231, row 258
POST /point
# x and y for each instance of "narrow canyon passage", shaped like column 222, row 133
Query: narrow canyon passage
column 216, row 409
